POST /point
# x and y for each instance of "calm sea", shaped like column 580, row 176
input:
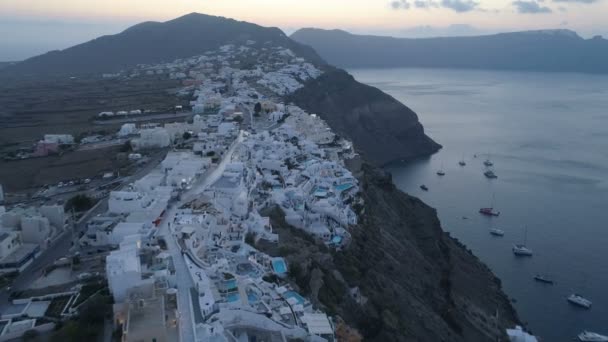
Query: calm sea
column 547, row 135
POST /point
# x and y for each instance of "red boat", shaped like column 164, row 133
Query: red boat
column 489, row 212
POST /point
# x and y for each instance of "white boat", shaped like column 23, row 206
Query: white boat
column 462, row 162
column 441, row 172
column 490, row 174
column 497, row 232
column 579, row 300
column 488, row 162
column 587, row 336
column 522, row 250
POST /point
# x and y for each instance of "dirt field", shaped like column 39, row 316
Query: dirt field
column 35, row 172
column 29, row 109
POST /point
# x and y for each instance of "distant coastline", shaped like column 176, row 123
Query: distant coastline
column 517, row 51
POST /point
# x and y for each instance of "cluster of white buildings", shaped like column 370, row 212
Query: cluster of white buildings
column 25, row 231
column 205, row 201
column 59, row 139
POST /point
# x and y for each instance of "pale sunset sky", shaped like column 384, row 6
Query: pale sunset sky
column 31, row 27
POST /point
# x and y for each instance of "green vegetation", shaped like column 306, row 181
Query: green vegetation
column 79, row 203
column 257, row 109
column 7, row 278
column 187, row 135
column 31, row 335
column 56, row 306
column 126, row 147
column 89, row 324
column 282, row 119
column 250, row 238
column 87, row 291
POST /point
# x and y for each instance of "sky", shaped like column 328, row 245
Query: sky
column 32, row 27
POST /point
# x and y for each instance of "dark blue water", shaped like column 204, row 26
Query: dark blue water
column 547, row 135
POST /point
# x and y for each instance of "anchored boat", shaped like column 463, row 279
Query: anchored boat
column 497, row 232
column 579, row 300
column 521, row 249
column 543, row 279
column 588, row 336
column 490, row 174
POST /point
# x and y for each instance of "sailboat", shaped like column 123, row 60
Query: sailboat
column 441, row 172
column 490, row 174
column 489, row 211
column 488, row 162
column 462, row 162
column 521, row 249
column 544, row 278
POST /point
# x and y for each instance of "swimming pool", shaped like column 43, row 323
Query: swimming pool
column 279, row 266
column 230, row 285
column 252, row 297
column 233, row 297
column 294, row 294
column 344, row 186
column 336, row 239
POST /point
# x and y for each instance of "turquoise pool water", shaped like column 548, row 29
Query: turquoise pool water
column 279, row 265
column 344, row 186
column 336, row 239
column 294, row 294
column 252, row 297
column 230, row 284
column 232, row 297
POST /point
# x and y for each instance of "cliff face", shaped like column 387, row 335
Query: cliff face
column 415, row 282
column 381, row 128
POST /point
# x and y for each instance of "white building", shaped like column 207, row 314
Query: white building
column 35, row 229
column 61, row 139
column 127, row 129
column 226, row 129
column 124, row 202
column 55, row 214
column 123, row 270
column 519, row 335
column 123, row 230
column 182, row 169
column 9, row 243
column 151, row 138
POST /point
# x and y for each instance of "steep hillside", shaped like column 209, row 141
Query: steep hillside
column 153, row 42
column 381, row 128
column 550, row 50
column 402, row 278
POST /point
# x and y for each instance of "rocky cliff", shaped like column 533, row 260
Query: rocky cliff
column 401, row 278
column 382, row 129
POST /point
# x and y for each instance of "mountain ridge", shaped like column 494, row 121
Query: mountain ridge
column 153, row 42
column 539, row 50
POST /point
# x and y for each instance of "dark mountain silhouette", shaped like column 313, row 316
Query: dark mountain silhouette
column 154, row 42
column 549, row 50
